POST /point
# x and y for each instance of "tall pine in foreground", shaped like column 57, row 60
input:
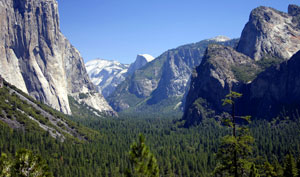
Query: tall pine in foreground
column 142, row 160
column 235, row 151
column 290, row 168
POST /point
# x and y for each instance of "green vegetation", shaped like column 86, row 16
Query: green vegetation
column 143, row 161
column 236, row 149
column 178, row 151
column 14, row 109
column 167, row 107
column 245, row 73
column 268, row 61
column 25, row 164
column 235, row 154
column 83, row 111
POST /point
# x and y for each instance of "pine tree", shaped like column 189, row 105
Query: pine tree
column 27, row 164
column 235, row 150
column 277, row 167
column 143, row 161
column 290, row 169
column 269, row 170
column 298, row 166
column 253, row 171
column 5, row 166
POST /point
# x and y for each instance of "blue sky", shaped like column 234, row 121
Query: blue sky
column 121, row 29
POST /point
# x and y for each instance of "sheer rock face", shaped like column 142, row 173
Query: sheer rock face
column 275, row 90
column 36, row 57
column 213, row 80
column 271, row 33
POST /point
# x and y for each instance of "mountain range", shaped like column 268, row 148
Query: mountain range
column 108, row 74
column 160, row 86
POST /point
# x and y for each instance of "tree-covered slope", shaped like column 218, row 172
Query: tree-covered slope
column 20, row 111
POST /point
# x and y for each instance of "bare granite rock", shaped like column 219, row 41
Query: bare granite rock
column 36, row 57
column 271, row 33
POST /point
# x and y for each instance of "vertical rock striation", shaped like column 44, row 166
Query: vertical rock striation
column 37, row 58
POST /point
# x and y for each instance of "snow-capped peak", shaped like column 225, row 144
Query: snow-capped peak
column 220, row 39
column 106, row 74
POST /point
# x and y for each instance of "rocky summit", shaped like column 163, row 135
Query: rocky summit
column 270, row 32
column 38, row 59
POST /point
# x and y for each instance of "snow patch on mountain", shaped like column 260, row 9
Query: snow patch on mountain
column 106, row 74
column 219, row 39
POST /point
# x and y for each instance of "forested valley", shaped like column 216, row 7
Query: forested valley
column 179, row 151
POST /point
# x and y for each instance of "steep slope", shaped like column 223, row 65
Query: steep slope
column 106, row 74
column 38, row 59
column 271, row 33
column 213, row 79
column 140, row 61
column 160, row 85
column 274, row 91
column 20, row 111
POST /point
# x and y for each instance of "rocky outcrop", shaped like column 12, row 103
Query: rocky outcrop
column 161, row 85
column 271, row 33
column 37, row 58
column 213, row 80
column 106, row 74
column 140, row 61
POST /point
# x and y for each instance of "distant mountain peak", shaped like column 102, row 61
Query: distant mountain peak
column 220, row 39
column 140, row 61
column 147, row 57
column 106, row 74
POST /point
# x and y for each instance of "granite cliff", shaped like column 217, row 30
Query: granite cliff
column 38, row 59
column 270, row 32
